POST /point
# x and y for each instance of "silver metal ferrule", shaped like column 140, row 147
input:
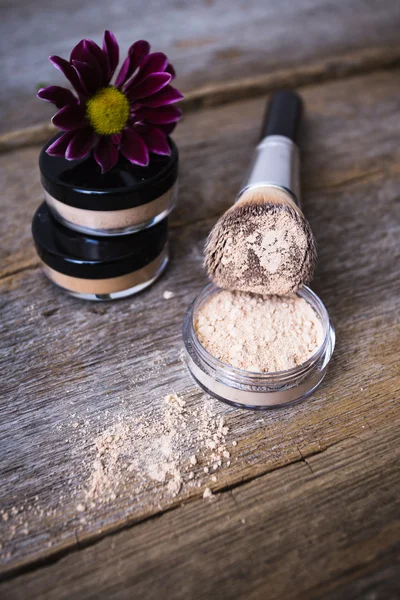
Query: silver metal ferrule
column 276, row 163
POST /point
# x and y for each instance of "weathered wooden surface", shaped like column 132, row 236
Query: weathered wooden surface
column 67, row 362
column 326, row 527
column 211, row 42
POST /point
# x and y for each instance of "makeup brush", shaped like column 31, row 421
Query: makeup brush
column 263, row 243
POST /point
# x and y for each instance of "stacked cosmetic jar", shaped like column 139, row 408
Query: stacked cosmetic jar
column 104, row 236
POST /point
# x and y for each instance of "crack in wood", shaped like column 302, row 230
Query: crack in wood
column 303, row 459
column 10, row 274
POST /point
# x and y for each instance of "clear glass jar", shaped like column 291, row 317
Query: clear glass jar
column 256, row 390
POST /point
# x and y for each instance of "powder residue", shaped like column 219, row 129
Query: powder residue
column 272, row 239
column 173, row 447
column 261, row 249
column 259, row 333
column 167, row 295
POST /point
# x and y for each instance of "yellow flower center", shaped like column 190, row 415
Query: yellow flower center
column 108, row 111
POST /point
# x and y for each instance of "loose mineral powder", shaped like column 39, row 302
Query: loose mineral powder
column 137, row 280
column 263, row 334
column 103, row 221
column 257, row 351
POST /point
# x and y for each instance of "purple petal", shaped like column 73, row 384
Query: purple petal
column 78, row 52
column 88, row 52
column 111, row 50
column 105, row 154
column 161, row 115
column 59, row 147
column 95, row 50
column 57, row 95
column 156, row 62
column 101, row 60
column 80, row 144
column 167, row 128
column 168, row 95
column 134, row 148
column 149, row 86
column 66, row 69
column 70, row 117
column 123, row 72
column 89, row 76
column 154, row 139
column 153, row 63
column 170, row 69
column 116, row 139
column 137, row 53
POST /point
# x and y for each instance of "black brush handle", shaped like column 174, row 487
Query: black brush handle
column 283, row 115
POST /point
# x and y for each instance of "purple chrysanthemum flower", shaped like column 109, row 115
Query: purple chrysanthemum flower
column 132, row 116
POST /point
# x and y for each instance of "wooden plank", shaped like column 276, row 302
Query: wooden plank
column 327, row 527
column 211, row 43
column 74, row 370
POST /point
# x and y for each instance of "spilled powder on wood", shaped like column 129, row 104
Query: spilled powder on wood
column 171, row 450
column 207, row 493
column 167, row 295
column 164, row 447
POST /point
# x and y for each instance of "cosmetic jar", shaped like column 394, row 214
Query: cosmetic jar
column 99, row 268
column 126, row 199
column 249, row 389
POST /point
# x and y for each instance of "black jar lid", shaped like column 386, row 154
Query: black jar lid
column 90, row 257
column 80, row 183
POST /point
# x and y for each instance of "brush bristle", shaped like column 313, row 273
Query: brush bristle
column 263, row 245
column 266, row 195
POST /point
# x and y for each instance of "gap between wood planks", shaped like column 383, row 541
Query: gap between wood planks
column 337, row 67
column 94, row 538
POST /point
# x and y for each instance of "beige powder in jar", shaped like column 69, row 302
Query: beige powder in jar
column 113, row 219
column 264, row 334
column 107, row 286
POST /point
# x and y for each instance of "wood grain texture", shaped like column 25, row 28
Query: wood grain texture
column 67, row 362
column 327, row 527
column 210, row 42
